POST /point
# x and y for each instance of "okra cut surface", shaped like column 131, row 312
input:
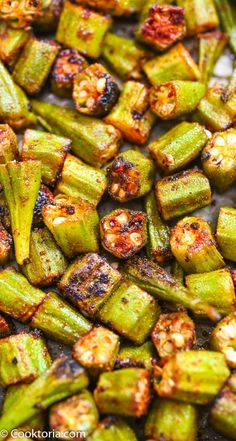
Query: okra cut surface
column 8, row 144
column 223, row 412
column 223, row 339
column 225, row 232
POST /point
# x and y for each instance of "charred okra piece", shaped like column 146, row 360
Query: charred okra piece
column 158, row 245
column 176, row 98
column 227, row 13
column 4, row 212
column 20, row 14
column 8, row 144
column 6, row 243
column 23, row 358
column 5, row 327
column 80, row 180
column 74, row 223
column 131, row 115
column 88, row 283
column 97, row 350
column 219, row 159
column 34, row 64
column 131, row 312
column 130, row 176
column 124, row 232
column 82, row 29
column 223, row 412
column 193, row 376
column 59, row 321
column 172, row 420
column 124, row 56
column 223, row 339
column 113, row 428
column 194, row 247
column 64, row 378
column 21, row 183
column 123, row 392
column 48, row 19
column 12, row 42
column 200, row 16
column 114, row 7
column 143, row 356
column 76, row 414
column 173, row 332
column 178, row 147
column 17, row 297
column 92, row 140
column 175, row 64
column 215, row 287
column 49, row 149
column 182, row 193
column 44, row 197
column 95, row 92
column 164, row 25
column 211, row 46
column 225, row 233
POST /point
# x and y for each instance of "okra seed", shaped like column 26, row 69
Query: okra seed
column 101, row 84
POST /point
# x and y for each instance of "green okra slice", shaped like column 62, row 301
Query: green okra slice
column 6, row 245
column 14, row 105
column 68, row 64
column 93, row 140
column 21, row 183
column 194, row 246
column 223, row 412
column 123, row 392
column 63, row 379
column 21, row 13
column 76, row 414
column 182, row 193
column 177, row 272
column 113, row 428
column 132, row 115
column 158, row 245
column 215, row 287
column 211, row 46
column 223, row 339
column 17, row 297
column 226, row 233
column 23, row 357
column 59, row 321
column 175, row 64
column 44, row 197
column 114, row 7
column 143, row 356
column 131, row 312
column 12, row 42
column 219, row 159
column 130, row 176
column 5, row 327
column 8, row 144
column 192, row 376
column 82, row 29
column 200, row 16
column 50, row 149
column 74, row 223
column 227, row 13
column 172, row 420
column 97, row 350
column 80, row 180
column 178, row 147
column 48, row 19
column 176, row 98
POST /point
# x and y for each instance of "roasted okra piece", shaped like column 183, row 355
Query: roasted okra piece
column 77, row 414
column 182, row 193
column 219, row 159
column 177, row 271
column 82, row 29
column 20, row 14
column 49, row 16
column 172, row 420
column 8, row 144
column 194, row 247
column 59, row 321
column 215, row 288
column 12, row 42
column 5, row 327
column 44, row 197
column 21, row 183
column 225, row 233
column 6, row 243
column 93, row 140
column 74, row 223
column 114, row 7
column 231, row 86
column 173, row 332
column 223, row 339
column 95, row 91
column 192, row 376
column 23, row 358
column 88, row 283
column 178, row 147
column 130, row 176
column 164, row 25
column 143, row 356
column 63, row 379
column 124, row 232
column 201, row 16
column 211, row 46
column 97, row 350
column 176, row 98
column 223, row 412
column 158, row 245
column 123, row 392
column 227, row 13
column 113, row 428
column 50, row 149
column 131, row 115
column 131, row 312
